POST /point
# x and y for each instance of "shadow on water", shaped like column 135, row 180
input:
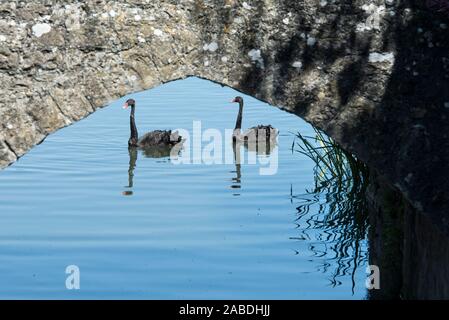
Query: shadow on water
column 335, row 207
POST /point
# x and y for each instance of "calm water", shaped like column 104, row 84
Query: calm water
column 181, row 231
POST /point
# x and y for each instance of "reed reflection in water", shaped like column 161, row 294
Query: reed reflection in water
column 340, row 211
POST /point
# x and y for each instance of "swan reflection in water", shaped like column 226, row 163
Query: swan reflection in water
column 159, row 152
column 132, row 151
column 261, row 147
column 237, row 180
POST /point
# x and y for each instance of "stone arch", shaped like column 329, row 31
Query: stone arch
column 79, row 56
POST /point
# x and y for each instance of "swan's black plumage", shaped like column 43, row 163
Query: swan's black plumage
column 159, row 138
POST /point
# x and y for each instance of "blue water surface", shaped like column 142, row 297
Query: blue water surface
column 181, row 231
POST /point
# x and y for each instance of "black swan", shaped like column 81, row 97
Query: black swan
column 255, row 134
column 157, row 138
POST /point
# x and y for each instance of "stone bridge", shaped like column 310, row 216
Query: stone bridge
column 373, row 74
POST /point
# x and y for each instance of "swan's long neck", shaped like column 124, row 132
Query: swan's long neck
column 132, row 124
column 238, row 124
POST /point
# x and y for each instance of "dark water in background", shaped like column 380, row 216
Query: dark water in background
column 186, row 231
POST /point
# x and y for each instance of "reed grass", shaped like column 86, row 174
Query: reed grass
column 340, row 182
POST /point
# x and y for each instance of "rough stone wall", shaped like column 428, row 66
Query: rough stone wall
column 426, row 257
column 374, row 74
column 386, row 239
column 411, row 252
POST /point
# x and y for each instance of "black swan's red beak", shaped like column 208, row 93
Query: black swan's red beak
column 126, row 105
